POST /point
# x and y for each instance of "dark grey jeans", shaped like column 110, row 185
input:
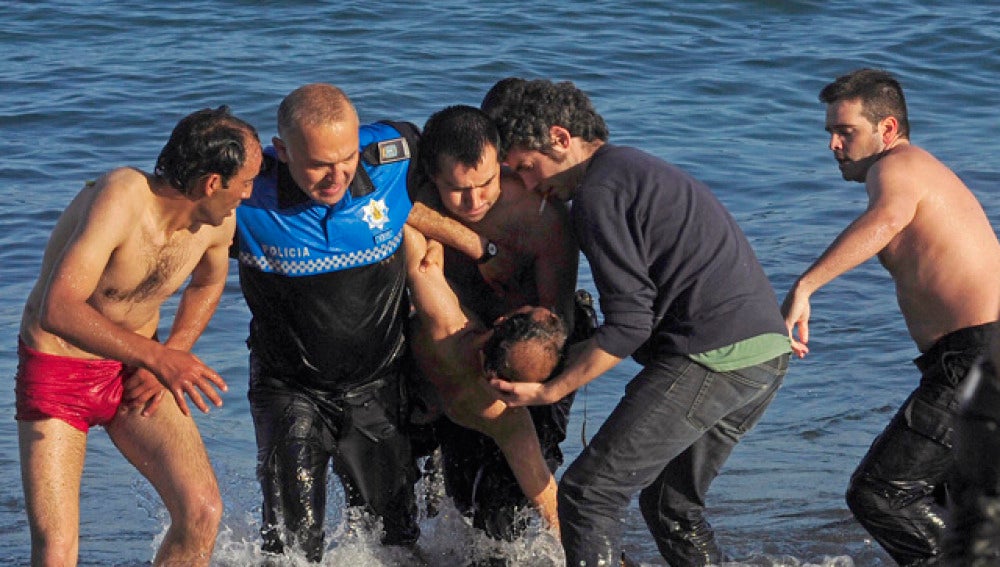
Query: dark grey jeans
column 668, row 438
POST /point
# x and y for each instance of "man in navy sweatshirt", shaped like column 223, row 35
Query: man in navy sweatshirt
column 681, row 292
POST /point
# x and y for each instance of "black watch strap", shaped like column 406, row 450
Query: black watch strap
column 489, row 251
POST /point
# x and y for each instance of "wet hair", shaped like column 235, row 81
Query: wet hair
column 460, row 132
column 880, row 94
column 204, row 142
column 519, row 328
column 316, row 104
column 524, row 111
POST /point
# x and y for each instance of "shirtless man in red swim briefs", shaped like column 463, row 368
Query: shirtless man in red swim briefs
column 123, row 246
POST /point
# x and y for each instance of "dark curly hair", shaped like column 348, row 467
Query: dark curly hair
column 519, row 328
column 524, row 111
column 203, row 142
column 880, row 94
column 460, row 132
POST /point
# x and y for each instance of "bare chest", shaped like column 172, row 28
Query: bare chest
column 150, row 268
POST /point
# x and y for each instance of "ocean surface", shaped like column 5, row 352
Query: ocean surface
column 725, row 89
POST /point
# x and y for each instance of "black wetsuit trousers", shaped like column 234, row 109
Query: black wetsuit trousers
column 898, row 492
column 300, row 431
column 973, row 537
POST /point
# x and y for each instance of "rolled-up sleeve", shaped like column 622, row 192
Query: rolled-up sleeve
column 614, row 245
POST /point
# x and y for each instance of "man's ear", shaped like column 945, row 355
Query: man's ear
column 280, row 148
column 890, row 129
column 559, row 137
column 207, row 185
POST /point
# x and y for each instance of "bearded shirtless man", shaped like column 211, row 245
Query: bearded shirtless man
column 932, row 235
column 123, row 246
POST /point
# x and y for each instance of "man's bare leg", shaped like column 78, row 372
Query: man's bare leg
column 167, row 449
column 52, row 455
column 514, row 432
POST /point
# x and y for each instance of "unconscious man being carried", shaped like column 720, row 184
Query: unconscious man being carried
column 456, row 352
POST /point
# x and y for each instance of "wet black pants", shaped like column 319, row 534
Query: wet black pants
column 898, row 492
column 299, row 433
column 973, row 537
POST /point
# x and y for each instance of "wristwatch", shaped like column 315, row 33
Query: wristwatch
column 489, row 251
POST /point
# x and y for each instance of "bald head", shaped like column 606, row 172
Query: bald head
column 525, row 347
column 310, row 106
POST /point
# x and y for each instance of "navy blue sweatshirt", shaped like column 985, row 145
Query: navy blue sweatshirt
column 675, row 273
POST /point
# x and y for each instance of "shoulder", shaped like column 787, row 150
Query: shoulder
column 522, row 206
column 222, row 234
column 907, row 168
column 615, row 156
column 626, row 169
column 388, row 129
column 96, row 213
column 123, row 189
column 907, row 155
column 512, row 189
column 123, row 179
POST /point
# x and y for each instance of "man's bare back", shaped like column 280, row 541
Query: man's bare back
column 945, row 260
column 452, row 364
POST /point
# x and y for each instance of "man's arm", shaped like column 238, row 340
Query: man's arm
column 67, row 313
column 514, row 432
column 425, row 217
column 893, row 201
column 197, row 305
column 433, row 298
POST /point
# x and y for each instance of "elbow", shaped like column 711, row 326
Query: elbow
column 55, row 312
column 49, row 319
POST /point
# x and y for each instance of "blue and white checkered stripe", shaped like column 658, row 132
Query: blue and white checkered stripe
column 330, row 263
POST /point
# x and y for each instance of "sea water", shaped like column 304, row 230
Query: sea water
column 727, row 90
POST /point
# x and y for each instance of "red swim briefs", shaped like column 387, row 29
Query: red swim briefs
column 81, row 392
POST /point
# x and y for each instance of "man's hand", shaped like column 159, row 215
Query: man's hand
column 796, row 310
column 516, row 394
column 142, row 391
column 183, row 373
column 433, row 252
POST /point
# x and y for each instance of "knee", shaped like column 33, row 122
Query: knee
column 53, row 551
column 200, row 512
column 863, row 496
column 571, row 495
column 855, row 494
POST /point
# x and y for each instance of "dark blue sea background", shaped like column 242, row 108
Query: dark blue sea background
column 725, row 89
